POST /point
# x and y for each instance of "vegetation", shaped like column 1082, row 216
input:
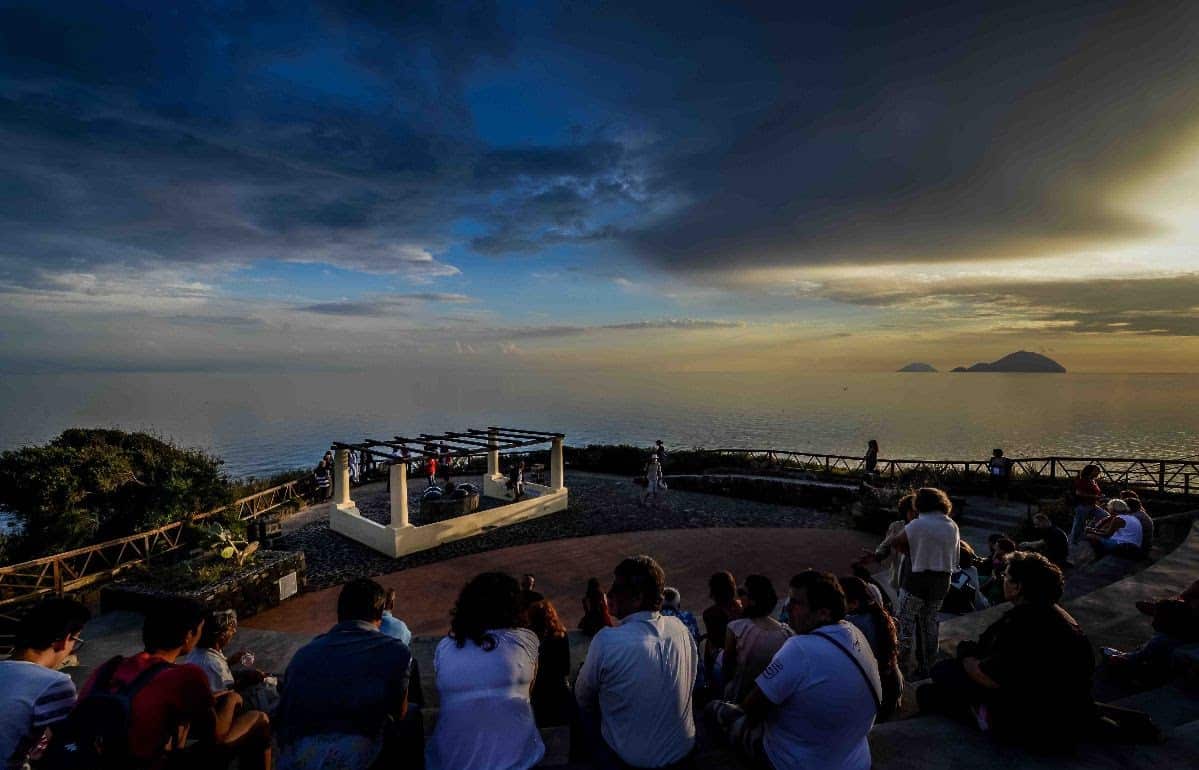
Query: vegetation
column 89, row 485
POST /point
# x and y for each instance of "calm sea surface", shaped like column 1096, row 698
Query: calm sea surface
column 260, row 423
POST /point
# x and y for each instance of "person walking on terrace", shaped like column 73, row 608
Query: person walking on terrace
column 636, row 683
column 933, row 545
column 654, row 485
column 34, row 694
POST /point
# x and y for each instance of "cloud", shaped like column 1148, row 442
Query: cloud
column 385, row 305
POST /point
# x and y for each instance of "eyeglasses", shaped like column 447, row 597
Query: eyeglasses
column 78, row 640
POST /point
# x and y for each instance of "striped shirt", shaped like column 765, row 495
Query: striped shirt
column 32, row 697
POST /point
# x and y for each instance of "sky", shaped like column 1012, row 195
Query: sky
column 676, row 186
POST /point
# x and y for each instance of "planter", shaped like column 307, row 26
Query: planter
column 444, row 508
column 270, row 579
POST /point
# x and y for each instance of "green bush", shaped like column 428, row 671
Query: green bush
column 91, row 485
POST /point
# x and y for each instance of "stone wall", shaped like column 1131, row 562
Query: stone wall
column 272, row 578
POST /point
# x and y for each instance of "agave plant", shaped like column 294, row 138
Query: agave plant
column 229, row 546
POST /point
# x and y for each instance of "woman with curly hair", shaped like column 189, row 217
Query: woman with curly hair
column 553, row 701
column 484, row 672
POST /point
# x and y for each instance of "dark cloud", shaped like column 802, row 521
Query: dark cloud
column 1160, row 305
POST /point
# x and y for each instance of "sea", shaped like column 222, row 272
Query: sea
column 262, row 423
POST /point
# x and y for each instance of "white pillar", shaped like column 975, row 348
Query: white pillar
column 493, row 455
column 557, row 471
column 399, row 494
column 341, row 477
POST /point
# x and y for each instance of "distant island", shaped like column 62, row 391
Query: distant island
column 919, row 366
column 1020, row 361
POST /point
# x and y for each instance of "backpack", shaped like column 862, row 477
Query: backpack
column 96, row 733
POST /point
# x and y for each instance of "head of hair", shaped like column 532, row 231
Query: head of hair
column 873, row 444
column 1005, row 545
column 544, row 620
column 490, row 600
column 966, row 555
column 215, row 624
column 1041, row 519
column 389, row 601
column 997, row 452
column 993, row 538
column 671, row 598
column 762, row 597
column 49, row 621
column 1129, row 494
column 932, row 499
column 1116, row 505
column 594, row 590
column 1091, row 471
column 823, row 592
column 167, row 625
column 1134, row 504
column 1040, row 580
column 643, row 575
column 856, row 591
column 722, row 587
column 362, row 599
column 907, row 504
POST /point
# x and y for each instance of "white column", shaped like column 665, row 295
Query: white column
column 341, row 477
column 399, row 494
column 493, row 455
column 557, row 471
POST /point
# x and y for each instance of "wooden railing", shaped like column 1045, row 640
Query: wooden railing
column 72, row 570
column 1166, row 476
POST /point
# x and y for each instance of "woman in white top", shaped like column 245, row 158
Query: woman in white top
column 1119, row 534
column 484, row 672
column 752, row 640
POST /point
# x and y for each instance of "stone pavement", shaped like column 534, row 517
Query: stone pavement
column 562, row 567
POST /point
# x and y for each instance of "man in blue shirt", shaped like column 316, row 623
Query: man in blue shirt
column 344, row 690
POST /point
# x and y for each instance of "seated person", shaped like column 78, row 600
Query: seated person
column 1174, row 624
column 1028, row 677
column 1118, row 534
column 344, row 691
column 1137, row 509
column 752, row 640
column 1052, row 542
column 965, row 590
column 34, row 695
column 815, row 703
column 209, row 655
column 177, row 704
column 391, row 625
column 992, row 587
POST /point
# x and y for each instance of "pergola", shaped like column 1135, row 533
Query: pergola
column 400, row 536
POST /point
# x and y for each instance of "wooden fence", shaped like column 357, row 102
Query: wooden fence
column 1165, row 476
column 72, row 570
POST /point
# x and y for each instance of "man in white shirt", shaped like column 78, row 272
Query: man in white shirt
column 638, row 676
column 33, row 694
column 814, row 705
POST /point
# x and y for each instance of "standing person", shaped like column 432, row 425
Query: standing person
column 484, row 672
column 516, row 481
column 894, row 559
column 1028, row 677
column 815, row 703
column 999, row 469
column 344, row 689
column 353, row 465
column 553, row 701
column 870, row 461
column 654, row 485
column 324, row 488
column 366, row 463
column 932, row 543
column 1086, row 501
column 34, row 694
column 172, row 702
column 752, row 640
column 596, row 614
column 660, row 452
column 638, row 677
column 722, row 590
column 431, row 470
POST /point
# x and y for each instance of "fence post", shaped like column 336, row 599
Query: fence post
column 57, row 578
column 1053, row 467
column 1161, row 476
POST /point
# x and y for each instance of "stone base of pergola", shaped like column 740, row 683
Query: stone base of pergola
column 399, row 538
